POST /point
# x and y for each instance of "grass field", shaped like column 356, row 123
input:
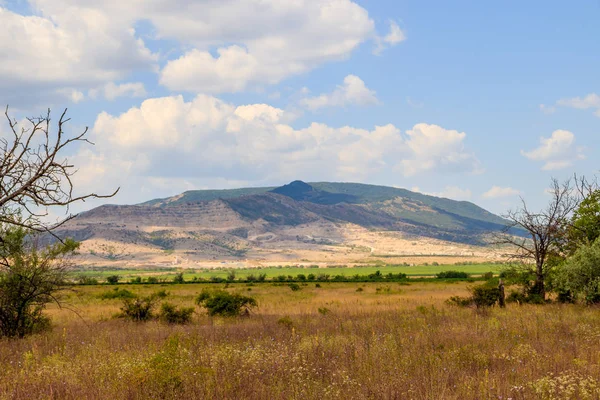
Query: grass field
column 386, row 341
column 271, row 272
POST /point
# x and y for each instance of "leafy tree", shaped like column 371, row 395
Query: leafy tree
column 579, row 276
column 30, row 278
column 221, row 302
column 585, row 224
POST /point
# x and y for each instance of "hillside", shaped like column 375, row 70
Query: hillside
column 295, row 221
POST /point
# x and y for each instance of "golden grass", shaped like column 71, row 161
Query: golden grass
column 401, row 342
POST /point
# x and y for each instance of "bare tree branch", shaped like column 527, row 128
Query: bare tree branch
column 34, row 175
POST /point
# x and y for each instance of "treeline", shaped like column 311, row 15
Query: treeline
column 377, row 276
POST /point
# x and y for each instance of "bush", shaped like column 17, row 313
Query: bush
column 294, row 286
column 488, row 275
column 113, row 279
column 485, row 295
column 139, row 308
column 172, row 314
column 178, row 278
column 452, row 275
column 220, row 302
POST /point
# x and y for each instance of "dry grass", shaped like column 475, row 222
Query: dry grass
column 401, row 342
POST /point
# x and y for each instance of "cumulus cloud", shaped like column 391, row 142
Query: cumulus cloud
column 352, row 92
column 277, row 40
column 395, row 36
column 84, row 44
column 434, row 147
column 591, row 101
column 499, row 192
column 557, row 152
column 51, row 55
column 111, row 91
column 198, row 141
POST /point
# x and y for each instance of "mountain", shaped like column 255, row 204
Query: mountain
column 299, row 217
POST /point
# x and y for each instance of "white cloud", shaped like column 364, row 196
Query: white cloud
column 592, row 101
column 352, row 92
column 276, row 40
column 395, row 36
column 221, row 46
column 56, row 55
column 434, row 147
column 111, row 91
column 557, row 151
column 207, row 139
column 499, row 192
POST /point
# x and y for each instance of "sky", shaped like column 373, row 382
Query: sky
column 470, row 100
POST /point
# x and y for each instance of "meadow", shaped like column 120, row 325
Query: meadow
column 336, row 341
column 167, row 273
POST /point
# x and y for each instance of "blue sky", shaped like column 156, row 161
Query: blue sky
column 471, row 100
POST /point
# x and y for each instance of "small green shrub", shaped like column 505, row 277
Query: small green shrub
column 485, row 295
column 294, row 286
column 488, row 275
column 112, row 279
column 117, row 293
column 359, row 289
column 172, row 314
column 139, row 308
column 324, row 310
column 220, row 302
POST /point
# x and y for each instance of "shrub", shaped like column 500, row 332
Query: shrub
column 139, row 308
column 178, row 278
column 136, row 280
column 488, row 275
column 452, row 275
column 485, row 295
column 152, row 279
column 113, row 279
column 172, row 314
column 220, row 302
column 324, row 310
column 359, row 289
column 294, row 286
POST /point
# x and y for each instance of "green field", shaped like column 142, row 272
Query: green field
column 272, row 272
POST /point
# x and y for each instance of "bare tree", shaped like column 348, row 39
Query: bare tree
column 34, row 174
column 545, row 232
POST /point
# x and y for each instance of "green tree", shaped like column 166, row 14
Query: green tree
column 30, row 278
column 585, row 224
column 579, row 276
